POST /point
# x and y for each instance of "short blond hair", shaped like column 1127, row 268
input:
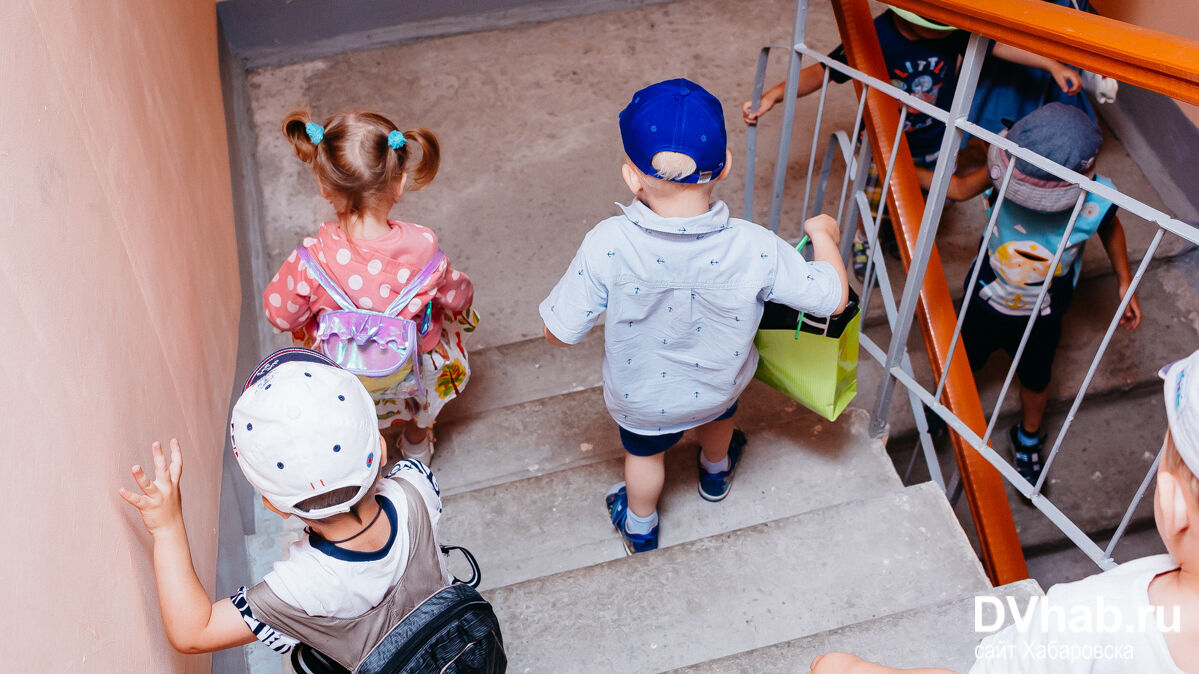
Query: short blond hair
column 673, row 165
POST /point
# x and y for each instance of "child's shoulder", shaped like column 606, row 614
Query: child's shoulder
column 1130, row 577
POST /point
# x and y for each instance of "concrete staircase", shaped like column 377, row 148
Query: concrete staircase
column 818, row 546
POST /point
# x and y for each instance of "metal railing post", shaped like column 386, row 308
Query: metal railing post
column 780, row 166
column 935, row 202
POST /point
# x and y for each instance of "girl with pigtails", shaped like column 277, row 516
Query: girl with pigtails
column 363, row 164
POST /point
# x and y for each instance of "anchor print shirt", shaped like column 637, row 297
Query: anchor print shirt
column 682, row 298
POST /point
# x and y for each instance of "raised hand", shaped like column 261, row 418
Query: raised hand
column 159, row 503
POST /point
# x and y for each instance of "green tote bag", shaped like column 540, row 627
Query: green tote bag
column 811, row 359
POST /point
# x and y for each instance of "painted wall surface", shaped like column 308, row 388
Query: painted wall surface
column 1177, row 17
column 118, row 316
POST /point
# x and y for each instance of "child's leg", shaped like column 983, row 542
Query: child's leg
column 1033, row 408
column 644, row 477
column 714, row 438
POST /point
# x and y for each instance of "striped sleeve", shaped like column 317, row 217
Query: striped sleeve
column 274, row 639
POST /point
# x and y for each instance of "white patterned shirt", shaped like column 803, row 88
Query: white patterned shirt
column 682, row 299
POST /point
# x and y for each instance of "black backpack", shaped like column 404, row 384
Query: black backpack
column 454, row 631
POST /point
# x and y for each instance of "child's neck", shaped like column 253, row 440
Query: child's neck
column 680, row 204
column 355, row 524
column 368, row 225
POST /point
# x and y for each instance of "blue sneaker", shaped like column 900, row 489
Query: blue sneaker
column 715, row 486
column 618, row 509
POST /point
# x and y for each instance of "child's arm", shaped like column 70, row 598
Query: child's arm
column 826, row 235
column 549, row 337
column 1066, row 77
column 192, row 623
column 1111, row 233
column 456, row 293
column 810, row 79
column 287, row 298
column 576, row 302
column 844, row 663
column 961, row 188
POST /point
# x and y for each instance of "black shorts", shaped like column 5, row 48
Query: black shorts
column 986, row 331
column 649, row 445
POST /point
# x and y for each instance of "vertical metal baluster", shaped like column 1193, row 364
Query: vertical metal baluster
column 882, row 202
column 1107, row 338
column 853, row 146
column 946, row 160
column 979, row 261
column 1136, row 501
column 849, row 226
column 807, row 191
column 751, row 136
column 780, row 166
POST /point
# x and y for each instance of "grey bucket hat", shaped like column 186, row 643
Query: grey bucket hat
column 1060, row 133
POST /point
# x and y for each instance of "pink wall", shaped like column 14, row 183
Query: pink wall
column 118, row 316
column 1177, row 17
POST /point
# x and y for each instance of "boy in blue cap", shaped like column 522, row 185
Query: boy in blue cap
column 682, row 285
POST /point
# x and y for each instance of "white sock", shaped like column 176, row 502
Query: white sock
column 714, row 467
column 640, row 525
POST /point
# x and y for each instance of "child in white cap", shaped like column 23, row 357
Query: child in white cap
column 305, row 435
column 1142, row 616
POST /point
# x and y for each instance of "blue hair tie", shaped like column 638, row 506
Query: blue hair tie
column 316, row 132
column 396, row 140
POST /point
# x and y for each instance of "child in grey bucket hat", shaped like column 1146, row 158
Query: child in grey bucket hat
column 1037, row 210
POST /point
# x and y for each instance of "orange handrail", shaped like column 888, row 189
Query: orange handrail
column 1002, row 555
column 1138, row 56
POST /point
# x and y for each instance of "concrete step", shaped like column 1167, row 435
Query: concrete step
column 551, row 434
column 556, row 522
column 940, row 635
column 749, row 588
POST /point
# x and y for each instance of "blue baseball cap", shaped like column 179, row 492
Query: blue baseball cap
column 675, row 116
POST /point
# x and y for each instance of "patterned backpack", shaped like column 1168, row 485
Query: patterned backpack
column 370, row 343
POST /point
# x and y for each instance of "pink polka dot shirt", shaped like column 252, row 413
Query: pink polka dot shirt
column 371, row 272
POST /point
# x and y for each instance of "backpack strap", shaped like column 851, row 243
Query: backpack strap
column 410, row 291
column 324, row 279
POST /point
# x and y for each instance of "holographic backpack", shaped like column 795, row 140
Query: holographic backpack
column 369, row 343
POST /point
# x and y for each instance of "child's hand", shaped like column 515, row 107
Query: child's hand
column 835, row 663
column 764, row 106
column 823, row 226
column 1067, row 78
column 1132, row 313
column 159, row 502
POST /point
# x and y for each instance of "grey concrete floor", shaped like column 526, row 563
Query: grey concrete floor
column 531, row 150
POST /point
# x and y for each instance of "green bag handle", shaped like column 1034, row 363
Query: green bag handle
column 803, row 243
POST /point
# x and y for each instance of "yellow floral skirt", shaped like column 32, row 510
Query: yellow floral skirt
column 444, row 372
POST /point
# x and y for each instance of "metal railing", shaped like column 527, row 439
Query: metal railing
column 882, row 112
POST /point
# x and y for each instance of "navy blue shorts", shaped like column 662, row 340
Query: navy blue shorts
column 649, row 445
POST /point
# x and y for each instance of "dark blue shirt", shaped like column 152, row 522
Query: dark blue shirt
column 926, row 69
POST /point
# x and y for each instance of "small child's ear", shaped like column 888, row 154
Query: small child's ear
column 271, row 507
column 632, row 178
column 728, row 165
column 1174, row 512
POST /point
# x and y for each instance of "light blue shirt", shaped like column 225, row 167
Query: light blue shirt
column 683, row 298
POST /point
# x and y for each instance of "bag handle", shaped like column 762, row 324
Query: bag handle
column 803, row 243
column 476, row 576
column 325, row 281
column 410, row 291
